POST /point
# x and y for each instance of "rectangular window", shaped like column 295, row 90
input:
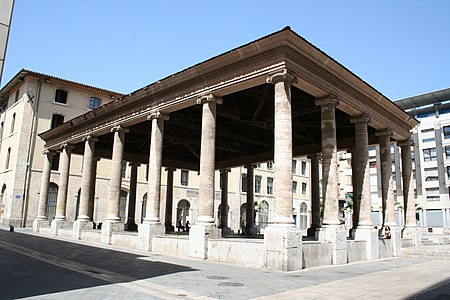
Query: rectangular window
column 432, row 194
column 446, row 130
column 448, row 172
column 147, row 169
column 270, row 165
column 56, row 120
column 16, row 97
column 258, row 184
column 428, row 135
column 270, row 186
column 258, row 166
column 244, row 182
column 94, row 103
column 431, row 174
column 429, row 154
column 184, row 177
column 123, row 171
column 303, row 167
column 61, row 96
column 55, row 162
column 294, row 187
column 294, row 166
column 447, row 151
column 304, row 186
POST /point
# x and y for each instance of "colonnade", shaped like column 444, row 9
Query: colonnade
column 329, row 229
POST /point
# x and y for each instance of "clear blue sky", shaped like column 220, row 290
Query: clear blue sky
column 401, row 47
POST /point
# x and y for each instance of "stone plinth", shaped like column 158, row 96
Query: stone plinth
column 396, row 238
column 198, row 240
column 81, row 225
column 56, row 225
column 414, row 234
column 337, row 236
column 37, row 224
column 370, row 236
column 146, row 232
column 283, row 248
column 107, row 229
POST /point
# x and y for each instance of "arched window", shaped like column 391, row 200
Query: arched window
column 263, row 214
column 13, row 121
column 1, row 130
column 51, row 201
column 2, row 204
column 144, row 207
column 57, row 120
column 183, row 213
column 303, row 216
column 8, row 156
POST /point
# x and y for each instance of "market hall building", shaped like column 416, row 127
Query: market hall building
column 276, row 98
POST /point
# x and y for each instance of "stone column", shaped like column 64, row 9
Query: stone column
column 250, row 210
column 224, row 202
column 331, row 230
column 152, row 224
column 84, row 221
column 204, row 228
column 282, row 240
column 411, row 230
column 363, row 228
column 41, row 217
column 169, row 201
column 131, row 223
column 60, row 220
column 112, row 222
column 315, row 194
column 387, row 189
column 92, row 190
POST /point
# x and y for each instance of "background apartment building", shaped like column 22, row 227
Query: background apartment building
column 32, row 103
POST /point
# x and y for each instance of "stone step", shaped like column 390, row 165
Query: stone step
column 414, row 252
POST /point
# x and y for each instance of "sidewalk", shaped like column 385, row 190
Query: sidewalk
column 103, row 272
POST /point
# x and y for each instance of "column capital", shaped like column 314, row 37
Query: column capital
column 209, row 98
column 314, row 156
column 119, row 128
column 224, row 170
column 66, row 146
column 48, row 152
column 247, row 166
column 405, row 143
column 330, row 99
column 363, row 118
column 384, row 132
column 285, row 75
column 158, row 115
column 89, row 138
column 132, row 163
column 170, row 169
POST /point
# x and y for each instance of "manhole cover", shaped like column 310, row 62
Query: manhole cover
column 215, row 277
column 231, row 284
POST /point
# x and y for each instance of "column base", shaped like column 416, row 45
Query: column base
column 311, row 231
column 370, row 235
column 395, row 236
column 413, row 233
column 198, row 240
column 225, row 230
column 283, row 248
column 130, row 226
column 146, row 232
column 81, row 225
column 38, row 223
column 337, row 235
column 169, row 228
column 58, row 224
column 107, row 230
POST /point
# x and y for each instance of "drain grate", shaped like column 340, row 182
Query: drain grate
column 231, row 284
column 293, row 275
column 181, row 295
column 216, row 277
column 95, row 272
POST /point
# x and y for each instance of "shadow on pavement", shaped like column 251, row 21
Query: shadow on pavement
column 31, row 266
column 440, row 291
